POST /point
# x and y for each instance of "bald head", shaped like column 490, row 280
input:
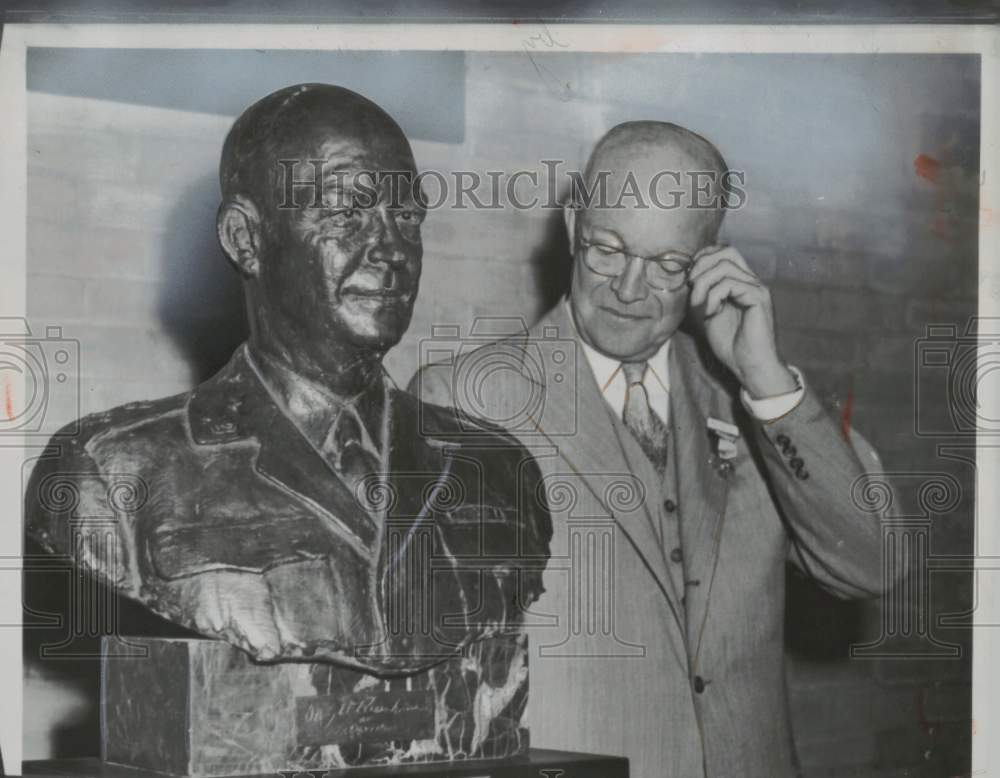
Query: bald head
column 631, row 140
column 669, row 163
column 301, row 122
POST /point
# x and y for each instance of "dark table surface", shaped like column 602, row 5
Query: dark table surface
column 537, row 763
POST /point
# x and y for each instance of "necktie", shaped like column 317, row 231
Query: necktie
column 351, row 452
column 643, row 422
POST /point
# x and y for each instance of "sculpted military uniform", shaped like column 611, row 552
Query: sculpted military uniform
column 214, row 510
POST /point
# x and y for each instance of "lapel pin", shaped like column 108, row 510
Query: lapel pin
column 726, row 435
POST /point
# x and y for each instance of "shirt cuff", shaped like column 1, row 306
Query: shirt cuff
column 771, row 408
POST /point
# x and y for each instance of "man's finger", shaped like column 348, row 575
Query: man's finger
column 708, row 257
column 714, row 248
column 724, row 268
column 731, row 289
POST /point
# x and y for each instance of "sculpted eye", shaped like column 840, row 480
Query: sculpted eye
column 410, row 215
column 606, row 250
column 344, row 215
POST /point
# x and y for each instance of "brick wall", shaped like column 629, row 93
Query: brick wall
column 860, row 250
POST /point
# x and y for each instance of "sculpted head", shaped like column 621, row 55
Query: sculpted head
column 629, row 315
column 318, row 218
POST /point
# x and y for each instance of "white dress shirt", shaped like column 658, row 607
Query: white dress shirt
column 611, row 380
column 656, row 380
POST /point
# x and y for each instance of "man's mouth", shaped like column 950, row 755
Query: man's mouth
column 622, row 314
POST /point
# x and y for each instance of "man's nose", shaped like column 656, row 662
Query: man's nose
column 630, row 285
column 387, row 245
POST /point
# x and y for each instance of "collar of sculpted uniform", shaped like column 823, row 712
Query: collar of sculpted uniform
column 314, row 409
column 315, row 412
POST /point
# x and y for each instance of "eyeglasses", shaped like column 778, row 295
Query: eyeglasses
column 667, row 271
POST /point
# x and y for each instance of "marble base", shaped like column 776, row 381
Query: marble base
column 203, row 708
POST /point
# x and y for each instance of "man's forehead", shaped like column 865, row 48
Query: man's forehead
column 650, row 230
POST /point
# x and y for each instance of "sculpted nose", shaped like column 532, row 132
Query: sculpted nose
column 630, row 285
column 387, row 253
column 387, row 246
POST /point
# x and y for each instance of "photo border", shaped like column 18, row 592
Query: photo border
column 633, row 38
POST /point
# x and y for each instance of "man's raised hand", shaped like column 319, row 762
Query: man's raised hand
column 738, row 318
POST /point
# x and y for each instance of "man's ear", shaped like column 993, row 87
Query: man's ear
column 239, row 228
column 569, row 216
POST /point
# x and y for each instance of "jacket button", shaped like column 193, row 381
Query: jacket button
column 669, row 506
column 796, row 463
column 699, row 684
column 676, row 555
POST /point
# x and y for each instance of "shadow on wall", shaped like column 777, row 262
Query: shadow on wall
column 201, row 302
column 551, row 264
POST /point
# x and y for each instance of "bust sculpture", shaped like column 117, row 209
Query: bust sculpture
column 297, row 504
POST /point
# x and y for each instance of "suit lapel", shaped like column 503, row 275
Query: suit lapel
column 576, row 404
column 703, row 485
column 596, row 450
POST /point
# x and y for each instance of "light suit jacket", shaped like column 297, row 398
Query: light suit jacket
column 660, row 633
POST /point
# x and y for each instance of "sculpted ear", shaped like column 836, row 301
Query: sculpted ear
column 569, row 216
column 239, row 228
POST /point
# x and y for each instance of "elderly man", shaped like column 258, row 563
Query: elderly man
column 682, row 473
column 289, row 504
